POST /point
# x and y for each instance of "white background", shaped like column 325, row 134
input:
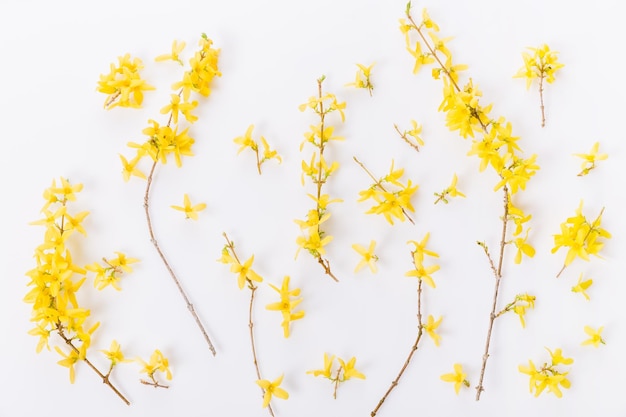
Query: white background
column 271, row 54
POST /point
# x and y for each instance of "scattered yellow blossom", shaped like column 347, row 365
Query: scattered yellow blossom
column 130, row 168
column 458, row 378
column 177, row 48
column 114, row 354
column 272, row 389
column 245, row 272
column 157, row 363
column 595, row 336
column 430, row 327
column 191, row 212
column 367, row 257
column 344, row 372
column 582, row 286
column 68, row 361
column 362, row 79
column 246, row 141
column 590, row 159
column 523, row 247
column 450, row 191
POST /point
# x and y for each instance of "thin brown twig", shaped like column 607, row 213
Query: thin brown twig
column 420, row 330
column 498, row 279
column 155, row 243
column 105, row 378
column 381, row 186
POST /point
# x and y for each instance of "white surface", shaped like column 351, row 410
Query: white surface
column 272, row 53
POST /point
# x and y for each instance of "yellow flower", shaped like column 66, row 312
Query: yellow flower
column 272, row 389
column 590, row 159
column 430, row 327
column 362, row 79
column 521, row 303
column 157, row 362
column 114, row 354
column 523, row 248
column 423, row 274
column 177, row 48
column 595, row 336
column 269, row 153
column 314, row 244
column 326, row 372
column 582, row 286
column 349, row 371
column 421, row 58
column 68, row 361
column 368, row 257
column 457, row 377
column 558, row 358
column 123, row 262
column 130, row 168
column 246, row 140
column 245, row 272
column 191, row 212
column 420, row 249
column 176, row 107
column 451, row 191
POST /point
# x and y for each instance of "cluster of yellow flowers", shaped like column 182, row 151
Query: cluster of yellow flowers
column 590, row 159
column 56, row 280
column 165, row 140
column 123, row 84
column 582, row 237
column 157, row 363
column 246, row 141
column 286, row 305
column 313, row 238
column 343, row 373
column 543, row 64
column 110, row 273
column 390, row 202
column 548, row 375
column 496, row 147
column 420, row 271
